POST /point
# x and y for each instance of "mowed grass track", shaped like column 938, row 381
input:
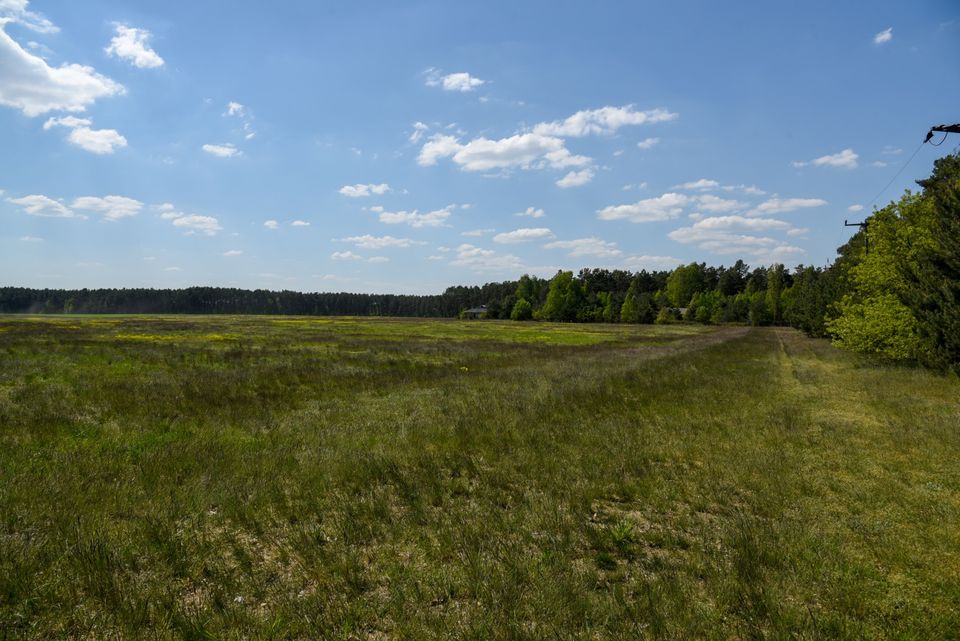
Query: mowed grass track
column 284, row 478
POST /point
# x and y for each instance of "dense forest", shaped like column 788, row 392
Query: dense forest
column 893, row 290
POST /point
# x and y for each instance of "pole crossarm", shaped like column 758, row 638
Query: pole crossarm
column 947, row 129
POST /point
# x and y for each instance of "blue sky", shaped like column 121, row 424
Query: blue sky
column 405, row 147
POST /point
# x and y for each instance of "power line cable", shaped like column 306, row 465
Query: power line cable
column 897, row 175
column 937, row 144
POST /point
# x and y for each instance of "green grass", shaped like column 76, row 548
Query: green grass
column 290, row 478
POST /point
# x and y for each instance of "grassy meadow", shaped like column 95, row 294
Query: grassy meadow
column 313, row 478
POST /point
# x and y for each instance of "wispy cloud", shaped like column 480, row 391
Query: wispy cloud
column 651, row 262
column 419, row 129
column 16, row 11
column 226, row 150
column 379, row 242
column 242, row 113
column 704, row 184
column 884, row 36
column 648, row 143
column 478, row 232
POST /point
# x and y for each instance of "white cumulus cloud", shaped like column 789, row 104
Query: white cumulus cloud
column 196, row 224
column 271, row 224
column 112, row 207
column 664, row 207
column 520, row 151
column 131, row 44
column 724, row 235
column 586, row 247
column 716, row 205
column 436, row 218
column 29, row 84
column 740, row 222
column 576, row 178
column 40, row 205
column 485, row 260
column 363, row 190
column 532, row 212
column 233, row 252
column 98, row 141
column 523, row 235
column 459, row 81
column 845, row 159
column 605, row 120
column 785, row 205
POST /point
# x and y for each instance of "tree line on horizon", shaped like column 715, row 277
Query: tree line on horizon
column 896, row 296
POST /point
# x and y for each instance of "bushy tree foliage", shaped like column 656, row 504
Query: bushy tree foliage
column 703, row 306
column 870, row 316
column 564, row 298
column 638, row 305
column 807, row 302
column 933, row 292
column 522, row 311
column 684, row 282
